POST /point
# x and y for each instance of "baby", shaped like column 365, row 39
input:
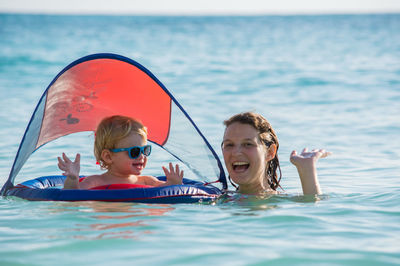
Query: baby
column 121, row 148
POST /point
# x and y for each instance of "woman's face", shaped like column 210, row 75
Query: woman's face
column 245, row 156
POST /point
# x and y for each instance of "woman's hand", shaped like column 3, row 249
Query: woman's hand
column 174, row 176
column 307, row 158
column 307, row 169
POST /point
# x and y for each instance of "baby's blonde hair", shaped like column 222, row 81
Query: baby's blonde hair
column 111, row 130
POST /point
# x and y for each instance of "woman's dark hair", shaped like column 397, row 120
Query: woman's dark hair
column 267, row 136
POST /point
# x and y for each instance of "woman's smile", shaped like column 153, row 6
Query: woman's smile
column 244, row 154
column 240, row 167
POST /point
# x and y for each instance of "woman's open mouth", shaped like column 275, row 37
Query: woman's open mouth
column 240, row 166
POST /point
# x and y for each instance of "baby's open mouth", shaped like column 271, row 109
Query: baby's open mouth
column 138, row 165
column 240, row 166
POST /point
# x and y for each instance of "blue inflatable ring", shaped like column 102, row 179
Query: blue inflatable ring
column 49, row 188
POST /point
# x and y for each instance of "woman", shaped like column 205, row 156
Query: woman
column 250, row 147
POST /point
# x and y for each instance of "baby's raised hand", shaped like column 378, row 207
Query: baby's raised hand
column 174, row 176
column 70, row 168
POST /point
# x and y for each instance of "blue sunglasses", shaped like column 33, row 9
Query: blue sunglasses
column 135, row 151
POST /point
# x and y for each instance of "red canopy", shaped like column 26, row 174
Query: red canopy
column 92, row 90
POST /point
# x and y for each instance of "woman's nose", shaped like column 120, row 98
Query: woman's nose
column 237, row 149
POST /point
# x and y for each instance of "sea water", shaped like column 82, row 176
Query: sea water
column 330, row 81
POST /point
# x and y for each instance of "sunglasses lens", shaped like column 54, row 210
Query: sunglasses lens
column 134, row 152
column 147, row 150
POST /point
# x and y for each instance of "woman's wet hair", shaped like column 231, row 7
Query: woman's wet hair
column 267, row 136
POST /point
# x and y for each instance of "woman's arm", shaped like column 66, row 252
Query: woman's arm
column 306, row 164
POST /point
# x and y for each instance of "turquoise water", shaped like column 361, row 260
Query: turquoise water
column 323, row 82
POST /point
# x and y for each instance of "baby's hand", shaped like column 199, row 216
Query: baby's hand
column 307, row 158
column 174, row 176
column 71, row 169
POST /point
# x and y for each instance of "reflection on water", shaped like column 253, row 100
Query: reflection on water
column 105, row 220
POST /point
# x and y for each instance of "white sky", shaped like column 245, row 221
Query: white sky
column 199, row 7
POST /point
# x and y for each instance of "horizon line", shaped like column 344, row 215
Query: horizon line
column 201, row 13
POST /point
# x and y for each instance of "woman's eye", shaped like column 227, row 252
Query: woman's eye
column 227, row 145
column 248, row 144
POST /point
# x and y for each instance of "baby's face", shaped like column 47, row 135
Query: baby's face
column 123, row 162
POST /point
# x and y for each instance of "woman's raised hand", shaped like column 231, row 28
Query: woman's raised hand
column 306, row 164
column 306, row 157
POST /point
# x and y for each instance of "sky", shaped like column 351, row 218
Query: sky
column 199, row 7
